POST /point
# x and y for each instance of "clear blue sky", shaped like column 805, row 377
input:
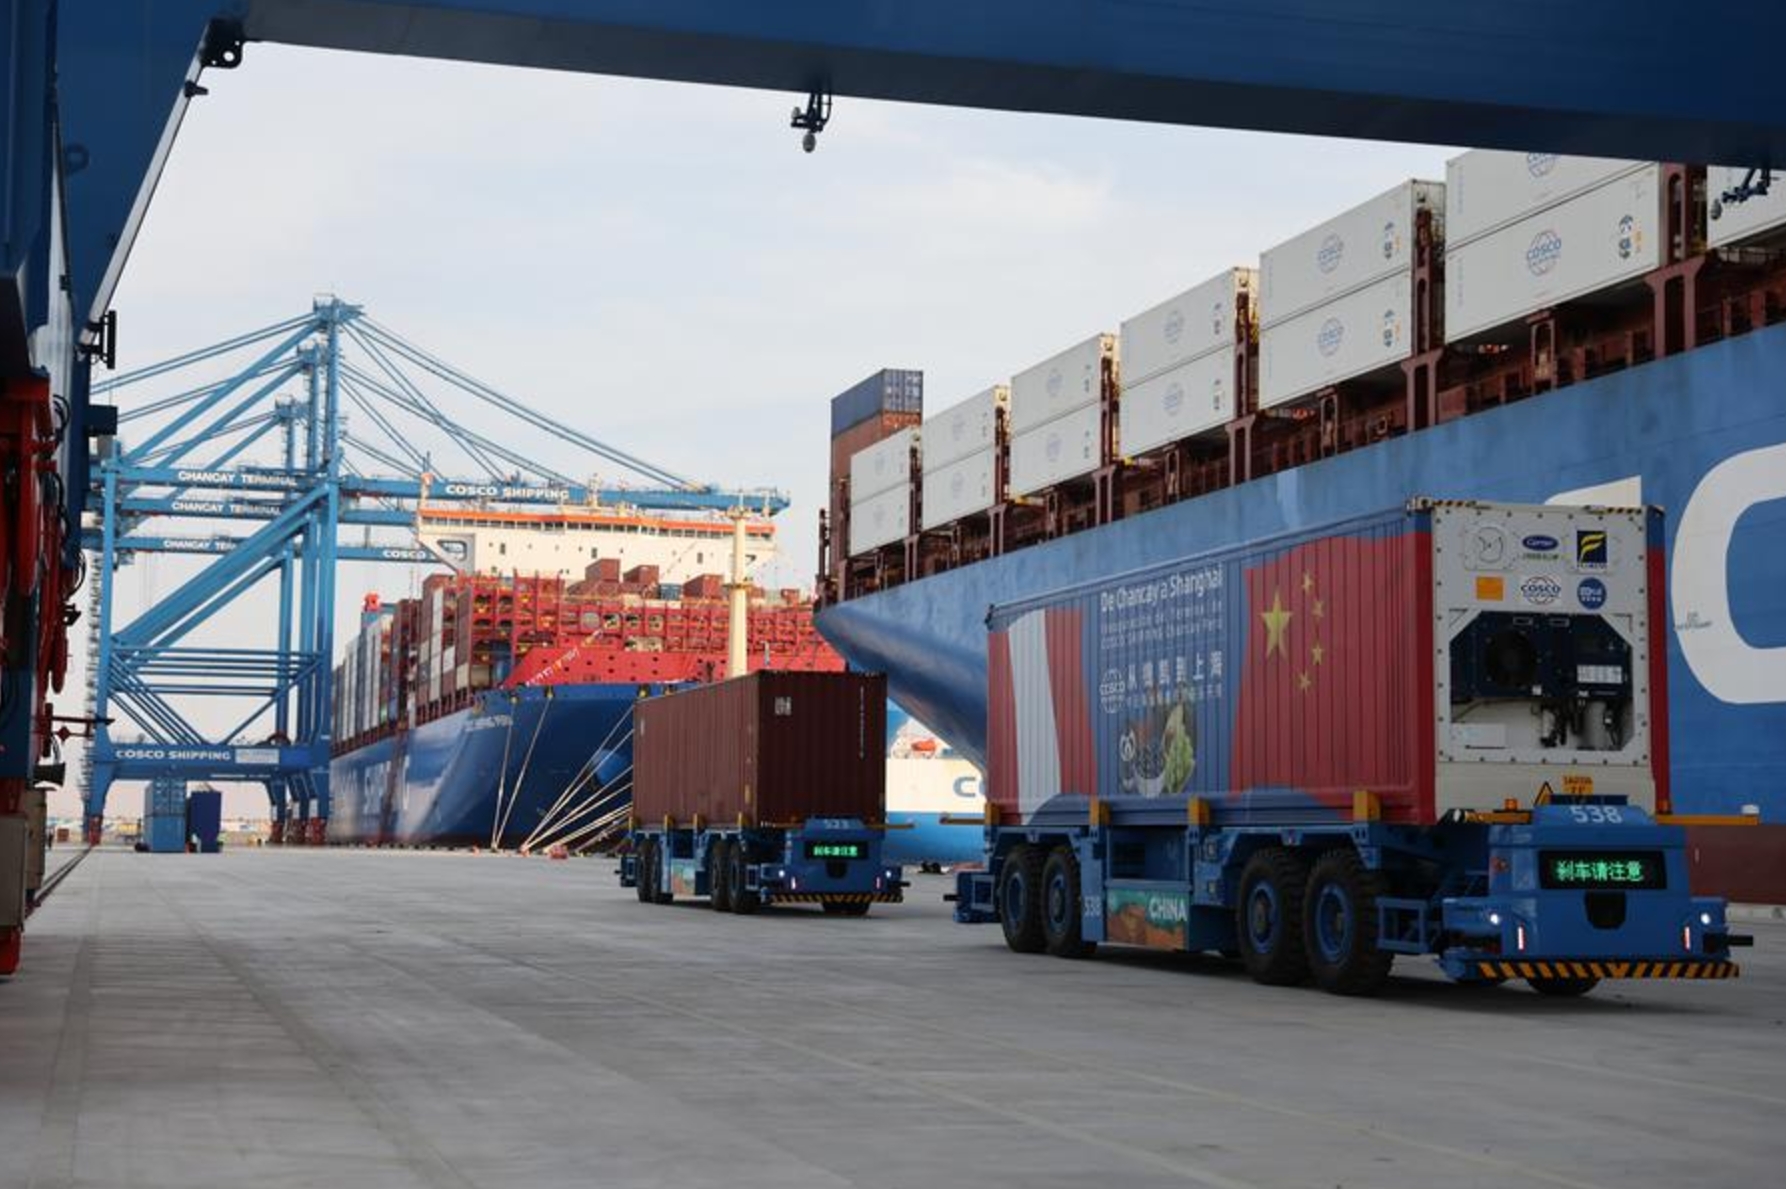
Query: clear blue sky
column 661, row 264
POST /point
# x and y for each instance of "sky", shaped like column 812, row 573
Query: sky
column 660, row 265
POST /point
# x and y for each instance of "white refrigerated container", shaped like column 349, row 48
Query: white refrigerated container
column 1730, row 223
column 1189, row 399
column 1065, row 448
column 1488, row 188
column 1362, row 332
column 1190, row 325
column 1371, row 241
column 880, row 519
column 1060, row 385
column 963, row 429
column 964, row 487
column 1594, row 241
column 884, row 465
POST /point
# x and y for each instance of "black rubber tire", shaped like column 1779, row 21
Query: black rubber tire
column 1343, row 891
column 1563, row 988
column 659, row 893
column 743, row 901
column 846, row 908
column 642, row 871
column 719, row 884
column 1273, row 955
column 1062, row 925
column 1020, row 900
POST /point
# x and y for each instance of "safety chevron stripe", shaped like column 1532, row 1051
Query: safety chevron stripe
column 1575, row 969
column 834, row 897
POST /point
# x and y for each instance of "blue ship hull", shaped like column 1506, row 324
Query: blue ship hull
column 1703, row 435
column 439, row 784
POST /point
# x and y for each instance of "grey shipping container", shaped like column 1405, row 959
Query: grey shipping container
column 770, row 748
column 890, row 390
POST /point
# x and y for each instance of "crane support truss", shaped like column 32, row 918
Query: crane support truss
column 202, row 457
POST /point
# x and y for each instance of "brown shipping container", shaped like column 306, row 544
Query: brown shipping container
column 773, row 748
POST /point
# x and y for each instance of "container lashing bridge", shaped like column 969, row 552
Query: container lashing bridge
column 345, row 407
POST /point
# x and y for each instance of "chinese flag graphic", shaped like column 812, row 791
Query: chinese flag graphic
column 1325, row 700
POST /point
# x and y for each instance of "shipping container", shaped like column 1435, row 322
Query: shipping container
column 1065, row 383
column 1487, row 189
column 1283, row 676
column 1186, row 327
column 1068, row 447
column 1590, row 243
column 770, row 748
column 1363, row 332
column 204, row 818
column 1762, row 215
column 1181, row 402
column 967, row 428
column 963, row 488
column 1366, row 244
column 880, row 519
column 165, row 834
column 884, row 465
column 890, row 390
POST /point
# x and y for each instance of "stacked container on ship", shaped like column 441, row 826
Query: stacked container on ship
column 766, row 789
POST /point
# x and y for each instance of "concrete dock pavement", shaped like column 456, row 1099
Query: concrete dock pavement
column 359, row 1018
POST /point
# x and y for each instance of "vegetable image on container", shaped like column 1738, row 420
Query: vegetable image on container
column 1403, row 734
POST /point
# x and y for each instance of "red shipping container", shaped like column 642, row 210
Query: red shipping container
column 642, row 576
column 773, row 748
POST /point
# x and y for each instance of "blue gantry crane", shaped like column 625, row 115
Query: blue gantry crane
column 345, row 406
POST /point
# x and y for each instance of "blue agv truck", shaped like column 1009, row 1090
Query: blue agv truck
column 765, row 789
column 1440, row 730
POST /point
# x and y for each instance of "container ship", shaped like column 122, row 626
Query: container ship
column 1532, row 329
column 494, row 710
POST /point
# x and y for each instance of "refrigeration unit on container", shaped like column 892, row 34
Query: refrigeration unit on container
column 1178, row 361
column 1068, row 447
column 1486, row 189
column 884, row 465
column 970, row 427
column 880, row 519
column 890, row 390
column 763, row 789
column 1439, row 729
column 1065, row 383
column 1758, row 217
column 1597, row 240
column 965, row 487
column 1324, row 313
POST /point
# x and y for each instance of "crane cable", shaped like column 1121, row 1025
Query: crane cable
column 503, row 778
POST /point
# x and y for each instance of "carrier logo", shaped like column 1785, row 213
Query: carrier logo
column 1590, row 549
column 1173, row 401
column 1330, row 336
column 1174, row 328
column 1629, row 239
column 957, row 484
column 1591, row 594
column 1540, row 543
column 1331, row 251
column 1110, row 691
column 1055, row 382
column 1540, row 164
column 1546, row 250
column 1541, row 590
column 1053, row 448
